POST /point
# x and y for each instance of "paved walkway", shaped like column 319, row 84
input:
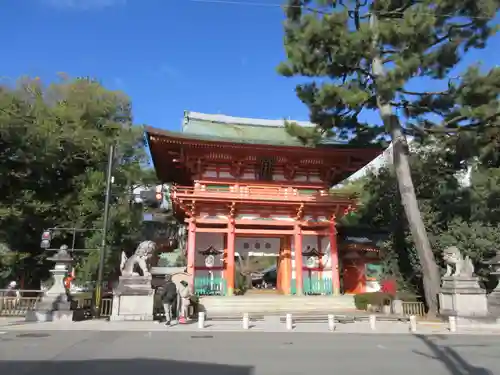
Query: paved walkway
column 271, row 325
column 241, row 353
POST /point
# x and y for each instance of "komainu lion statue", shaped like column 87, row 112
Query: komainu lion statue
column 141, row 258
column 456, row 264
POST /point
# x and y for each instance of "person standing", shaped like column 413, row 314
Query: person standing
column 185, row 294
column 169, row 296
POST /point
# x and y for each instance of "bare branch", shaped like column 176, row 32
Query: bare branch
column 451, row 29
column 444, row 128
column 423, row 93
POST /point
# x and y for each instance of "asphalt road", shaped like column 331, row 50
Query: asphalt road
column 246, row 353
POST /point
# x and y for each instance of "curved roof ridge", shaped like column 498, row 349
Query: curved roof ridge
column 225, row 119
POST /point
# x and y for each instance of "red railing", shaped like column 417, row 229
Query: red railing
column 260, row 193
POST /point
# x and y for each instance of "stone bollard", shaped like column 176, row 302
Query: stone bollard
column 201, row 320
column 397, row 307
column 373, row 321
column 246, row 321
column 331, row 322
column 452, row 324
column 289, row 322
column 413, row 323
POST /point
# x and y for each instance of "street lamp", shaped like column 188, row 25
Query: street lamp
column 46, row 238
column 102, row 254
column 494, row 297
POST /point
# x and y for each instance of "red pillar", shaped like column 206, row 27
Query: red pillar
column 334, row 256
column 229, row 274
column 298, row 260
column 191, row 246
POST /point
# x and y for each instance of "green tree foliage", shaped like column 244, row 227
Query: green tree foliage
column 454, row 213
column 9, row 263
column 54, row 142
column 363, row 55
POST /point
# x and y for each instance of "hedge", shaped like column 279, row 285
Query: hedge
column 362, row 300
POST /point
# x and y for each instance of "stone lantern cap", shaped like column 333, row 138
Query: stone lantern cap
column 62, row 256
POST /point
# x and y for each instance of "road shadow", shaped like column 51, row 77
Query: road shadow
column 449, row 357
column 119, row 367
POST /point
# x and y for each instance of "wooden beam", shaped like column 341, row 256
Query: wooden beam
column 313, row 224
column 210, row 221
column 211, row 230
column 270, row 223
column 315, row 232
column 269, row 232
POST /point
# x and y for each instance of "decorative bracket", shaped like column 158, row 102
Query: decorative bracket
column 290, row 170
column 328, row 173
column 300, row 212
column 193, row 209
column 195, row 166
column 237, row 168
column 232, row 210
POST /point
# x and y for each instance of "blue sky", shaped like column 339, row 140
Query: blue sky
column 167, row 55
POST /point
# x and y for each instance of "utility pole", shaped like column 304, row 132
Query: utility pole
column 102, row 254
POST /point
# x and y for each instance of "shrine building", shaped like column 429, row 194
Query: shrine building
column 246, row 188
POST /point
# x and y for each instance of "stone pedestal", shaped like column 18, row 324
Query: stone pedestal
column 133, row 299
column 462, row 297
column 494, row 302
column 54, row 305
column 494, row 296
column 397, row 307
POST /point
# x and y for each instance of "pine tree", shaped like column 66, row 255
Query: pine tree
column 364, row 55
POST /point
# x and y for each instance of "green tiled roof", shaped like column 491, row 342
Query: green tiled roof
column 241, row 130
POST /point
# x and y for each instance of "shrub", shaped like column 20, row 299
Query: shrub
column 375, row 299
column 406, row 297
column 362, row 300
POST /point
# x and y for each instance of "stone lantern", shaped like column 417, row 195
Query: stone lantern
column 54, row 305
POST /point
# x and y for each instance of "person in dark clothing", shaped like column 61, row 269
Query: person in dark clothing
column 169, row 297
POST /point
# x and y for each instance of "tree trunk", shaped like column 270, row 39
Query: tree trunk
column 430, row 271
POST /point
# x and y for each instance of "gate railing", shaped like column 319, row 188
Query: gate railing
column 209, row 286
column 314, row 286
column 413, row 308
column 14, row 306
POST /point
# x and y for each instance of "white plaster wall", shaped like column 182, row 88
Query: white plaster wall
column 281, row 217
column 210, row 174
column 327, row 259
column 249, row 217
column 273, row 244
column 300, row 178
column 203, row 241
column 278, row 177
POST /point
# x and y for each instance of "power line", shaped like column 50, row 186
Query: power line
column 244, row 3
column 276, row 5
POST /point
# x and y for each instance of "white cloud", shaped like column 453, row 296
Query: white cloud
column 168, row 71
column 83, row 4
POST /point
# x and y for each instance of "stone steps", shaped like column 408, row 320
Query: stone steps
column 275, row 304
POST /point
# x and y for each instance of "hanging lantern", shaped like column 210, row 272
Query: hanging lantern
column 210, row 253
column 312, row 262
column 209, row 261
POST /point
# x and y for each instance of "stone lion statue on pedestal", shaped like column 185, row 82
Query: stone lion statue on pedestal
column 456, row 264
column 141, row 258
